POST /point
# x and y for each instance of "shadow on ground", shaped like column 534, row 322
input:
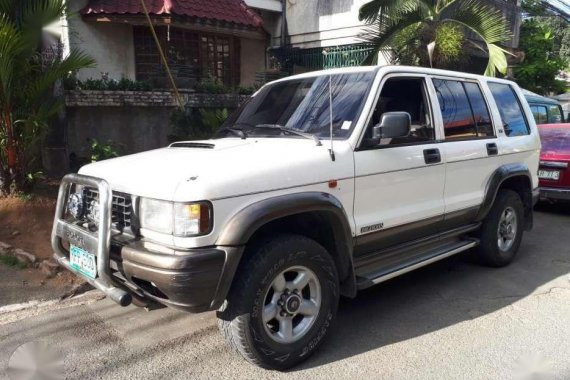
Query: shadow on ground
column 448, row 293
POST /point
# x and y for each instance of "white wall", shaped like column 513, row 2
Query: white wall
column 320, row 23
column 109, row 44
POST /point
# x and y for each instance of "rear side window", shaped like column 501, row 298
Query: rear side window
column 554, row 114
column 540, row 114
column 514, row 120
column 463, row 108
column 480, row 110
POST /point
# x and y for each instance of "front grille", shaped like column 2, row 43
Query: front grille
column 122, row 210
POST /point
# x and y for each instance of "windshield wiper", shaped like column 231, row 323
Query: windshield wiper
column 290, row 130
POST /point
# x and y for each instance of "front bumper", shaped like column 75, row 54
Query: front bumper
column 190, row 280
column 556, row 194
column 193, row 280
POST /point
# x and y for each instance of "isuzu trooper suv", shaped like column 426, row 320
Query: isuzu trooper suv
column 322, row 184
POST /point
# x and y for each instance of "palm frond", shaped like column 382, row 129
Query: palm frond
column 36, row 15
column 382, row 32
column 485, row 21
column 41, row 13
column 389, row 9
column 7, row 6
column 10, row 45
column 443, row 5
column 76, row 60
column 497, row 60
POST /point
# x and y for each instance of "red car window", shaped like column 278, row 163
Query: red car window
column 555, row 139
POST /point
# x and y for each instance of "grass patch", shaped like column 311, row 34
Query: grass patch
column 11, row 261
column 26, row 197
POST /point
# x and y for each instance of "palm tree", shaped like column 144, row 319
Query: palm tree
column 432, row 32
column 26, row 83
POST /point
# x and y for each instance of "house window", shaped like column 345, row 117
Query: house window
column 191, row 56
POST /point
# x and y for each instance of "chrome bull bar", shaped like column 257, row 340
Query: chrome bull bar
column 94, row 242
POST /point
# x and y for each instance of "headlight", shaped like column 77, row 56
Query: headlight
column 180, row 219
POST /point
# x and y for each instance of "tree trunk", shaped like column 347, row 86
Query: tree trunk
column 10, row 173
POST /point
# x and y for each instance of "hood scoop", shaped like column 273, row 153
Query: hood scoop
column 192, row 145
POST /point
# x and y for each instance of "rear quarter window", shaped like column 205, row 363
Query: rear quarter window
column 510, row 108
column 554, row 114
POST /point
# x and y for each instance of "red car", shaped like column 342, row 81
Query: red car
column 554, row 171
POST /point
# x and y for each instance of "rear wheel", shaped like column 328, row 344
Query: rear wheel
column 502, row 230
column 282, row 303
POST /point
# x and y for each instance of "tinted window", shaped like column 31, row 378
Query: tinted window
column 539, row 113
column 480, row 110
column 514, row 121
column 405, row 95
column 554, row 114
column 303, row 105
column 465, row 114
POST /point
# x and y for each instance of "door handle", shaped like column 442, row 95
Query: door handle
column 432, row 156
column 492, row 149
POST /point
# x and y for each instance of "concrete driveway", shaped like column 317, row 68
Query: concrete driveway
column 453, row 320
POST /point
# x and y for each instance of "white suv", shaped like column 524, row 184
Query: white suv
column 322, row 184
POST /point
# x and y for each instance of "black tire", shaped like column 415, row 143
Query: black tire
column 489, row 252
column 240, row 319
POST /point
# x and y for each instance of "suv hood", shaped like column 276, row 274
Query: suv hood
column 212, row 169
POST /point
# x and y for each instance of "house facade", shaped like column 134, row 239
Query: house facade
column 232, row 41
column 332, row 25
column 223, row 40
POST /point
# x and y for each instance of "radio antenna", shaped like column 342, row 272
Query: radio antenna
column 331, row 150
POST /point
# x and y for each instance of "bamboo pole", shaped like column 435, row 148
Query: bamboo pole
column 162, row 56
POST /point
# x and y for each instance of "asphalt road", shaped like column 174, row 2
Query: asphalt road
column 452, row 320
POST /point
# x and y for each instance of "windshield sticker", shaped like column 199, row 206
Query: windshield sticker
column 346, row 125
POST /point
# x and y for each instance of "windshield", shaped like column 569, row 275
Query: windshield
column 303, row 105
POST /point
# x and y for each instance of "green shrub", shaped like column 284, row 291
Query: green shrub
column 106, row 84
column 100, row 151
column 247, row 90
column 211, row 86
column 196, row 123
column 11, row 261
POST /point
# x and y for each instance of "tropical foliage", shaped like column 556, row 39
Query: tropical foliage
column 559, row 26
column 101, row 151
column 542, row 61
column 27, row 81
column 434, row 32
column 196, row 123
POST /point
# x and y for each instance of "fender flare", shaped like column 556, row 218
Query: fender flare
column 247, row 221
column 498, row 177
column 240, row 228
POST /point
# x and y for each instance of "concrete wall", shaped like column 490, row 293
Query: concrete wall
column 136, row 129
column 252, row 60
column 138, row 121
column 111, row 45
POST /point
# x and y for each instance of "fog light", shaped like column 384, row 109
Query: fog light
column 76, row 206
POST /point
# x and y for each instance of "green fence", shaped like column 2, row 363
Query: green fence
column 314, row 59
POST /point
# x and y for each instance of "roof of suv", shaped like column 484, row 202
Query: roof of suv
column 398, row 68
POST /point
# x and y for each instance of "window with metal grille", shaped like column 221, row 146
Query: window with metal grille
column 190, row 55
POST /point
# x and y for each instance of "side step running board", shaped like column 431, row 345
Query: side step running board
column 463, row 245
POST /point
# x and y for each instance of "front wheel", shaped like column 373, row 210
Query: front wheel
column 502, row 230
column 282, row 303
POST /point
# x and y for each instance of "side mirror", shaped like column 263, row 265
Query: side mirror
column 392, row 124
